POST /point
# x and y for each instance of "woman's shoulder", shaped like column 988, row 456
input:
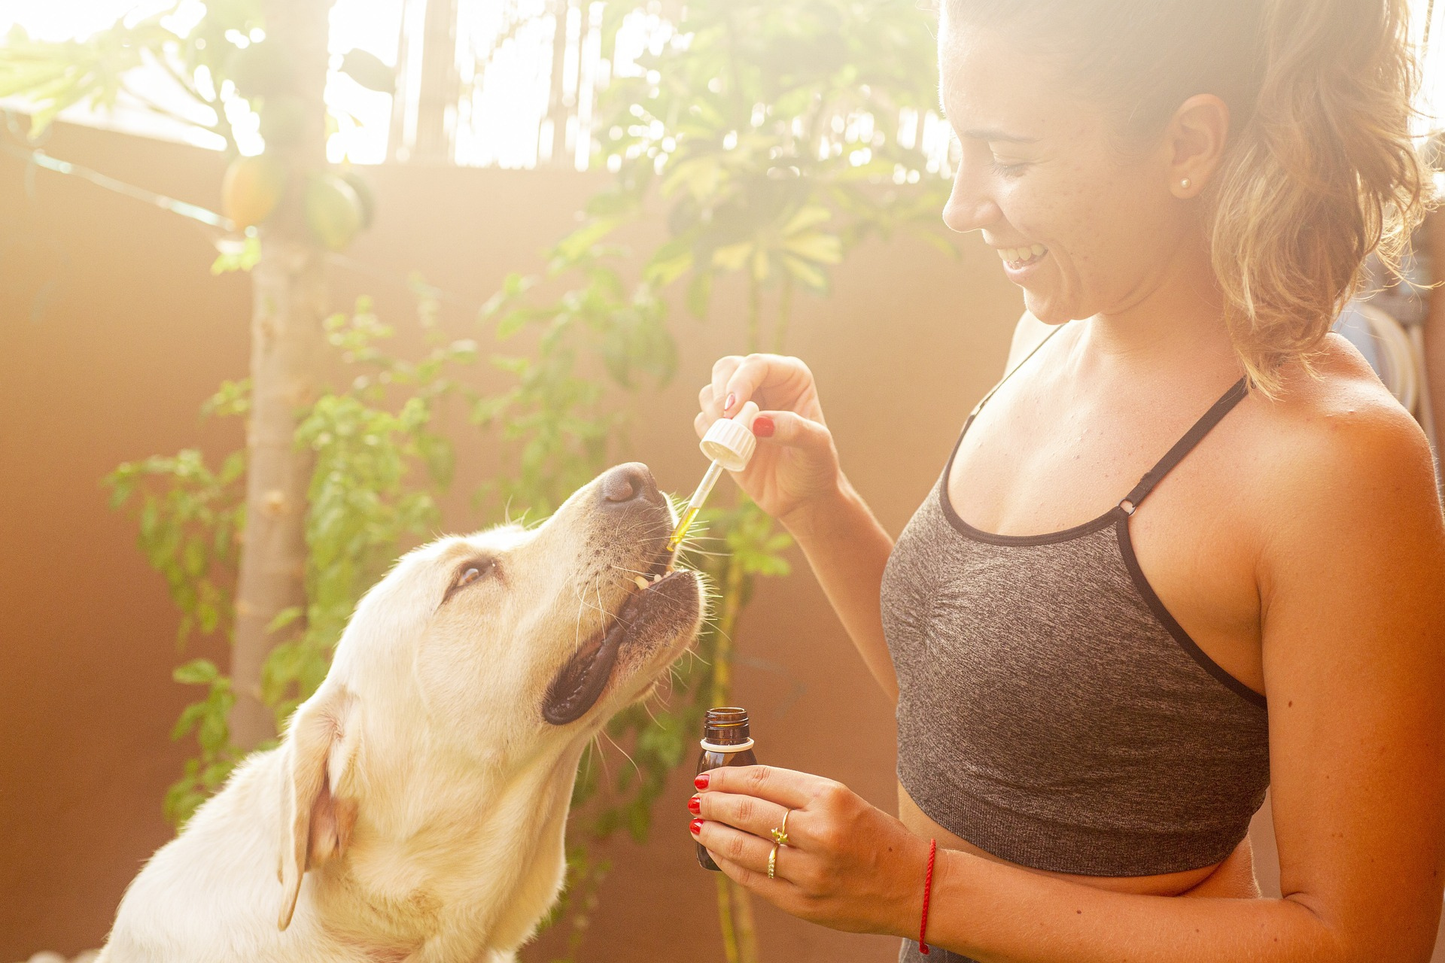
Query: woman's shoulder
column 1335, row 440
column 1334, row 405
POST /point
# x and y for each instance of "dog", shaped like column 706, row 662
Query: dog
column 415, row 807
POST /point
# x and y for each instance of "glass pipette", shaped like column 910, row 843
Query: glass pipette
column 730, row 444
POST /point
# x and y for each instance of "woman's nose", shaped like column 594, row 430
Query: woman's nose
column 969, row 206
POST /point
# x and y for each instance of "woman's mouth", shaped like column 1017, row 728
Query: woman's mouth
column 1021, row 257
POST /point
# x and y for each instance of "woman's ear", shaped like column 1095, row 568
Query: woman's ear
column 1195, row 143
column 316, row 820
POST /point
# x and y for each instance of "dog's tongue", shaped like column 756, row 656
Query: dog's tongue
column 581, row 681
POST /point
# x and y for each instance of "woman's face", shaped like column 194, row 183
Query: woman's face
column 1082, row 227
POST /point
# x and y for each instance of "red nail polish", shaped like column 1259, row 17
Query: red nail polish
column 695, row 826
column 728, row 401
column 763, row 427
column 701, row 780
column 694, row 805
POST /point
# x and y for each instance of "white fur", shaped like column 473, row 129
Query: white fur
column 416, row 806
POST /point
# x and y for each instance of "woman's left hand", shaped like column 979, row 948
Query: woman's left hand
column 846, row 864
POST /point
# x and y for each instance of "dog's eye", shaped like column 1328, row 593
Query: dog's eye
column 473, row 572
column 469, row 572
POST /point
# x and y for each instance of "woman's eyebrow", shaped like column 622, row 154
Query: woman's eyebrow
column 993, row 133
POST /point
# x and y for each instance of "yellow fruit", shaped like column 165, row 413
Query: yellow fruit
column 252, row 188
column 333, row 210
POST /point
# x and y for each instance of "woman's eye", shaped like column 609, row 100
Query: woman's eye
column 1006, row 169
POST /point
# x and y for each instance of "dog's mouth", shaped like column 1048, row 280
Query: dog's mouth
column 662, row 604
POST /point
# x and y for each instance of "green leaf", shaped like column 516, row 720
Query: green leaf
column 196, row 672
column 806, row 273
column 242, row 258
column 823, row 248
column 284, row 618
column 368, row 70
column 733, row 256
column 699, row 293
column 810, row 216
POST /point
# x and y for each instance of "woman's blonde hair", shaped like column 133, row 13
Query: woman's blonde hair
column 1321, row 168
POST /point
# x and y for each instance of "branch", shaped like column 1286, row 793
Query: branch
column 155, row 108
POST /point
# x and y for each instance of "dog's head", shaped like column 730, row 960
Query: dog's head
column 492, row 647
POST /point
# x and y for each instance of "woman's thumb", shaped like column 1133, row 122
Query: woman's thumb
column 790, row 430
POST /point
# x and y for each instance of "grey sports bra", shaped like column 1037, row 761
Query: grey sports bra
column 1051, row 711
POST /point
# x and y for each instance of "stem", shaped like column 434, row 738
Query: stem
column 154, row 108
column 747, row 936
column 734, row 907
column 182, row 82
column 785, row 311
column 755, row 312
column 727, row 616
column 725, row 917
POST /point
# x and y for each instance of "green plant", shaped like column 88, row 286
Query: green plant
column 378, row 465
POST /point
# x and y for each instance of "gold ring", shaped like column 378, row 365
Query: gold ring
column 773, row 860
column 780, row 835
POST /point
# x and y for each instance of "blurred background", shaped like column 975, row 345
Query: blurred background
column 289, row 287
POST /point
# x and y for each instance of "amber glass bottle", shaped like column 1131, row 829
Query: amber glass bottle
column 725, row 742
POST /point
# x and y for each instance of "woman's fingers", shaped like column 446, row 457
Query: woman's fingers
column 722, row 372
column 791, row 430
column 751, row 815
column 745, row 853
column 786, row 787
column 756, row 377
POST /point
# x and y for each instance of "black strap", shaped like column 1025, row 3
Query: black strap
column 992, row 391
column 1185, row 445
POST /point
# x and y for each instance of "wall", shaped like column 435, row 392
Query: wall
column 112, row 331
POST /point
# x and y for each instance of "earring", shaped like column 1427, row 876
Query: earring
column 1185, row 183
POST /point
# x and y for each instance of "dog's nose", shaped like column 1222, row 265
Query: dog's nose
column 630, row 482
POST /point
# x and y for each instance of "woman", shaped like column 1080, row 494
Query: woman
column 1097, row 676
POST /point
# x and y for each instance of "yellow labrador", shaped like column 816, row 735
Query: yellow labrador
column 415, row 808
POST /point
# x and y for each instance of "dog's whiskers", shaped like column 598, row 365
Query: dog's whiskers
column 602, row 756
column 623, row 751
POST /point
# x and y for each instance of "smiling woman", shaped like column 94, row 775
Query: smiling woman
column 1189, row 548
column 1338, row 158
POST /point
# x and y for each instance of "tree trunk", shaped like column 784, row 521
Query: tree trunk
column 289, row 302
column 440, row 85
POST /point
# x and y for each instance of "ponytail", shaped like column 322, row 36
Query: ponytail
column 1323, row 172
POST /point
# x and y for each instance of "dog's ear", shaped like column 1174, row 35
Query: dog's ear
column 316, row 819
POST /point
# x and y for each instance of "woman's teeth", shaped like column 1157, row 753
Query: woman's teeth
column 1022, row 255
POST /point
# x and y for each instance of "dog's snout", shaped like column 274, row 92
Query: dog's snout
column 628, row 483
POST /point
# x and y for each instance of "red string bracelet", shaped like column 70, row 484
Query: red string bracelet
column 927, row 886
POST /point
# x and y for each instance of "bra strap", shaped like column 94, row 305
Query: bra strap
column 1185, row 445
column 1010, row 373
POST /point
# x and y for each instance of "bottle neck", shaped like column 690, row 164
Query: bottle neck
column 727, row 735
column 726, row 729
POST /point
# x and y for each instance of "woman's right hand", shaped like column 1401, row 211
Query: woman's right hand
column 795, row 464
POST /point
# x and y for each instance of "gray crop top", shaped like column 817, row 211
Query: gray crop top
column 1050, row 709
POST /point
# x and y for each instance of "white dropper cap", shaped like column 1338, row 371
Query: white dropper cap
column 730, row 441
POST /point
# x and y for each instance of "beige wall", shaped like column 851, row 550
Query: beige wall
column 112, row 332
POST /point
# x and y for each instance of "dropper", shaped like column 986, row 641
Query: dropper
column 730, row 444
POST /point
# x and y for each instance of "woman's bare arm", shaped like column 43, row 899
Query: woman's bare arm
column 847, row 549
